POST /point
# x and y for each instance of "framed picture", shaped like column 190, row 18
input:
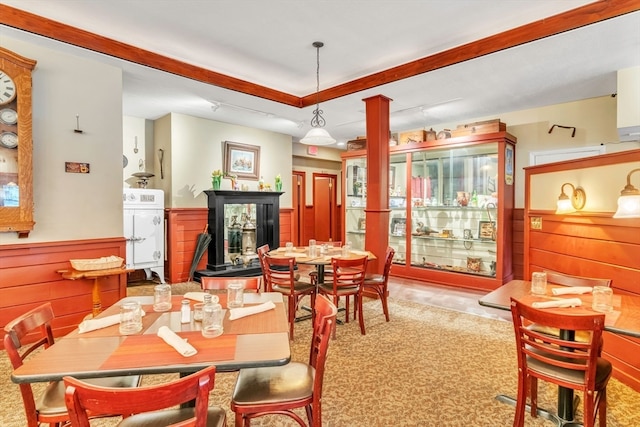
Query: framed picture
column 486, row 230
column 398, row 226
column 242, row 160
column 508, row 164
column 362, row 224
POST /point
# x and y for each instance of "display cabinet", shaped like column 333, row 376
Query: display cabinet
column 355, row 191
column 451, row 204
column 16, row 146
column 239, row 223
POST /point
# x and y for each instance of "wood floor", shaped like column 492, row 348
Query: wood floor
column 464, row 300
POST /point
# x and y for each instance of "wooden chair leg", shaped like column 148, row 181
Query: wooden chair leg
column 358, row 302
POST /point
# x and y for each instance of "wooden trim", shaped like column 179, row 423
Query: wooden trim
column 582, row 16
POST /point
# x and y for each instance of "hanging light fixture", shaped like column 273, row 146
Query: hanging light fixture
column 629, row 200
column 317, row 135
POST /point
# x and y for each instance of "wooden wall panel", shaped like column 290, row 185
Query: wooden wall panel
column 183, row 227
column 286, row 225
column 591, row 244
column 30, row 278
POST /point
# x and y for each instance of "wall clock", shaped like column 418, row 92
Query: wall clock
column 15, row 127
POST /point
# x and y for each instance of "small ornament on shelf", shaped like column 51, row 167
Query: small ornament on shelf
column 278, row 183
column 261, row 184
column 216, row 179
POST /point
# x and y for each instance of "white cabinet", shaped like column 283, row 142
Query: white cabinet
column 144, row 230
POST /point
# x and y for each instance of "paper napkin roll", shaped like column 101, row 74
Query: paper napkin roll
column 237, row 313
column 568, row 302
column 572, row 290
column 295, row 254
column 353, row 251
column 174, row 340
column 99, row 323
column 196, row 296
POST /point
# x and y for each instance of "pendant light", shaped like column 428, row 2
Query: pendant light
column 317, row 135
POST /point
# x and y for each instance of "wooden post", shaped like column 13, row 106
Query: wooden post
column 377, row 210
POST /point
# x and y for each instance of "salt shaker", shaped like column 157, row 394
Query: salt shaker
column 185, row 311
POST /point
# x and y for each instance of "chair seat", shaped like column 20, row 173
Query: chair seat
column 343, row 290
column 216, row 417
column 298, row 286
column 374, row 279
column 256, row 386
column 51, row 401
column 603, row 371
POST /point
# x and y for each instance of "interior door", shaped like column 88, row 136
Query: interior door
column 324, row 207
column 298, row 201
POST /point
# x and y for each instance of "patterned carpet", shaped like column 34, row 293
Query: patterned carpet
column 427, row 367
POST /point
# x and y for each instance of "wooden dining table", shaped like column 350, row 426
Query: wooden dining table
column 257, row 340
column 623, row 320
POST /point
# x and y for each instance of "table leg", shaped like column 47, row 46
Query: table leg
column 97, row 304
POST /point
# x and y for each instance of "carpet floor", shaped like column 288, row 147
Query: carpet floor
column 428, row 366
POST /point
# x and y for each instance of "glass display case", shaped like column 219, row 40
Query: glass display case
column 239, row 223
column 355, row 190
column 450, row 204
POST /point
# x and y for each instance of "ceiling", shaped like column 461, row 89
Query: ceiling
column 269, row 45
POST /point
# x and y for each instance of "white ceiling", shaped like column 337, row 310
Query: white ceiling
column 270, row 43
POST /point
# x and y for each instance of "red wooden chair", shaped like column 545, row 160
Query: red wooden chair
column 147, row 406
column 348, row 279
column 378, row 283
column 281, row 277
column 566, row 363
column 49, row 406
column 280, row 389
column 251, row 284
column 262, row 251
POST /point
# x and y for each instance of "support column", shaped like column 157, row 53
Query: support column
column 377, row 209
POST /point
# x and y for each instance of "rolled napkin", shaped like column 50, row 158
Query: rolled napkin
column 237, row 313
column 572, row 290
column 99, row 323
column 354, row 251
column 174, row 340
column 568, row 302
column 196, row 296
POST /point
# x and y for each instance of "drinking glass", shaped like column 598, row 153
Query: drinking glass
column 235, row 295
column 539, row 283
column 130, row 318
column 197, row 311
column 212, row 316
column 289, row 246
column 346, row 251
column 602, row 299
column 162, row 298
column 312, row 248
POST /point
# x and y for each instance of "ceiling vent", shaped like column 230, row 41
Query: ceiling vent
column 629, row 104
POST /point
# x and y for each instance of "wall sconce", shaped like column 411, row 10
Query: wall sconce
column 576, row 202
column 629, row 200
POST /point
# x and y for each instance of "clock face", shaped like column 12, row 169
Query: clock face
column 7, row 88
column 8, row 116
column 9, row 139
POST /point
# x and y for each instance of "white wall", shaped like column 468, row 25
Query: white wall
column 193, row 150
column 71, row 206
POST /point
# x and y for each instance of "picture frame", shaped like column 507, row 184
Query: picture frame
column 486, row 230
column 241, row 160
column 362, row 224
column 398, row 226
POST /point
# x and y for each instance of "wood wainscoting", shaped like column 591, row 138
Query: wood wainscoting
column 30, row 277
column 591, row 244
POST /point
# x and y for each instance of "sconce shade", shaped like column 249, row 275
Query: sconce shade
column 317, row 136
column 629, row 200
column 566, row 204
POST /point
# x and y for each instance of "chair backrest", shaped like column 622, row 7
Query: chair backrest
column 568, row 280
column 281, row 272
column 36, row 321
column 262, row 251
column 348, row 271
column 556, row 353
column 388, row 261
column 82, row 398
column 251, row 284
column 323, row 324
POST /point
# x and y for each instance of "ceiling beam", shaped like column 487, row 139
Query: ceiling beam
column 567, row 21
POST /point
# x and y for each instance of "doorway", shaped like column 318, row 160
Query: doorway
column 298, row 185
column 324, row 207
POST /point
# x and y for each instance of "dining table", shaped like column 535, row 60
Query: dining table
column 624, row 319
column 257, row 340
column 319, row 260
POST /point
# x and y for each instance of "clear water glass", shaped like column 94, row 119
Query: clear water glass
column 130, row 318
column 235, row 295
column 162, row 298
column 212, row 317
column 539, row 283
column 602, row 299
